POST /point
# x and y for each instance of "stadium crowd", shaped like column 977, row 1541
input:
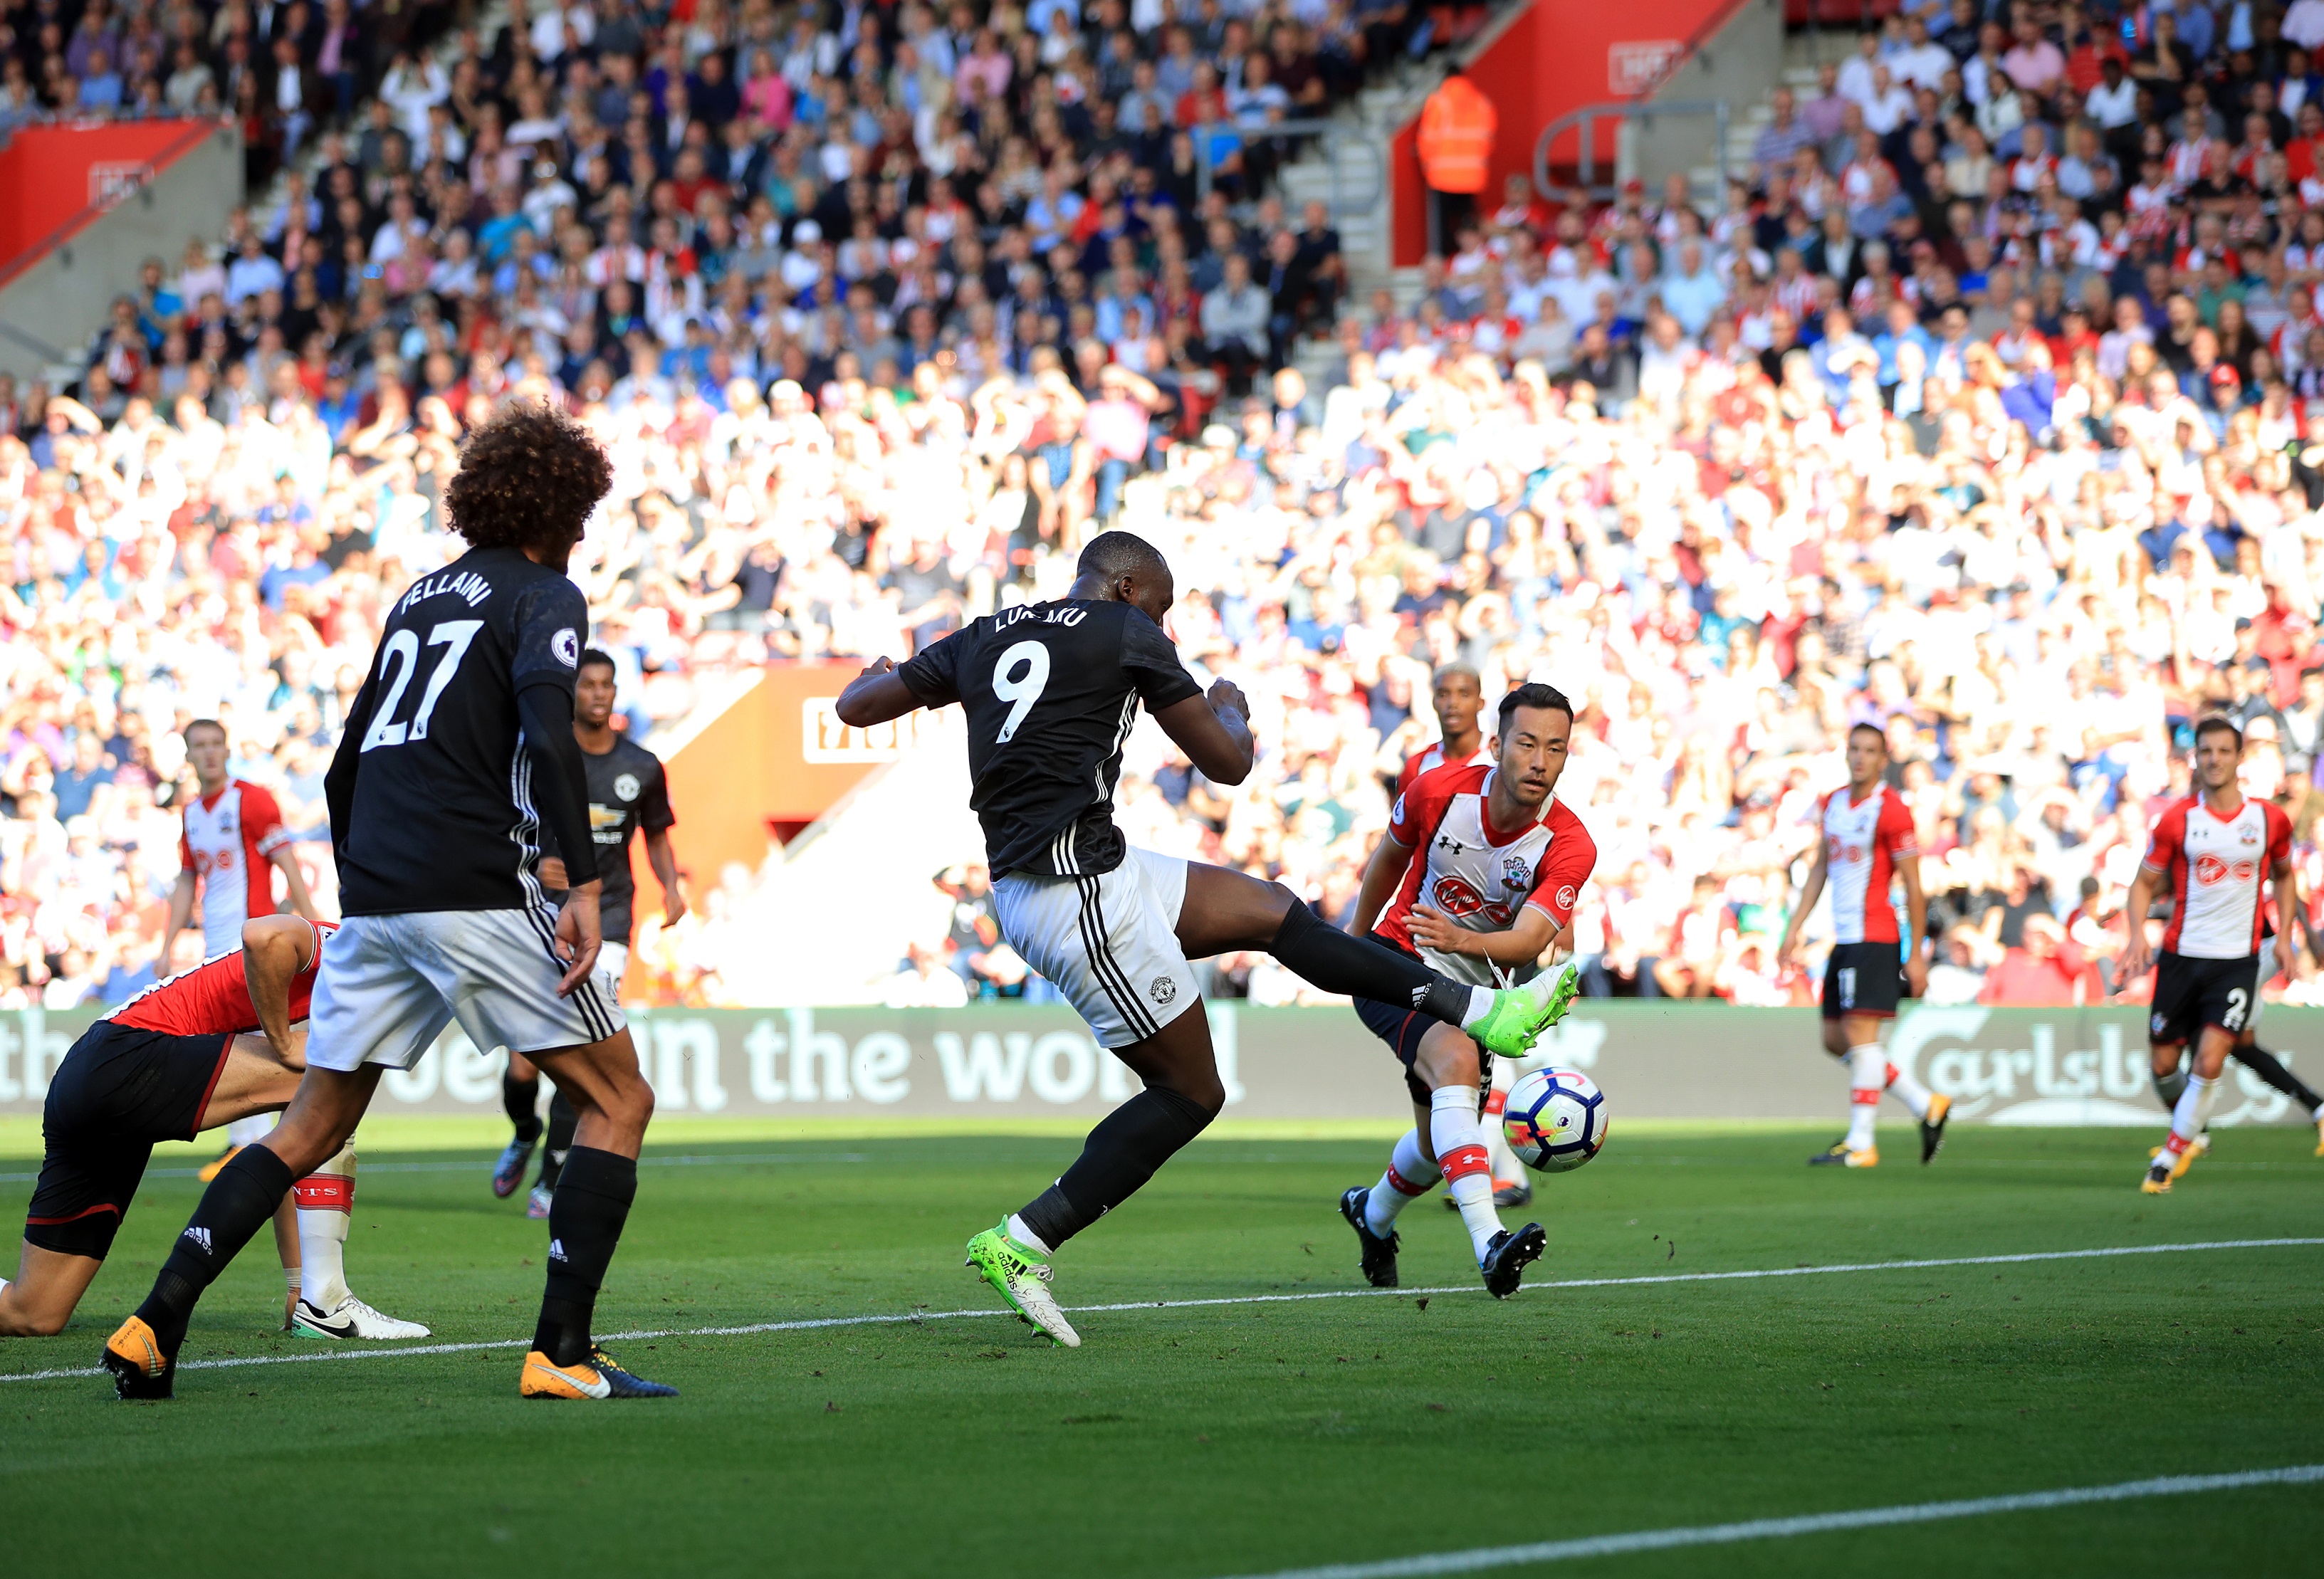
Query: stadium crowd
column 1978, row 411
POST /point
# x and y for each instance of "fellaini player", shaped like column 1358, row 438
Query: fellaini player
column 2214, row 850
column 215, row 1044
column 1866, row 846
column 1484, row 866
column 459, row 748
column 1051, row 691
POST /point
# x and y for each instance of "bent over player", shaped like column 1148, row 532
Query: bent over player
column 459, row 748
column 211, row 1046
column 1052, row 692
column 2213, row 849
column 1865, row 844
column 1485, row 867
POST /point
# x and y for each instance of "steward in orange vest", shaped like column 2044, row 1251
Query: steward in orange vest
column 1456, row 137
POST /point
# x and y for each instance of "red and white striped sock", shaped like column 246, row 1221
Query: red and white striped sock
column 327, row 1203
column 1411, row 1173
column 1908, row 1090
column 2192, row 1114
column 1867, row 1072
column 1460, row 1152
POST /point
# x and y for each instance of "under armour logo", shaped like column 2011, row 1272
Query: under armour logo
column 200, row 1236
column 555, row 1250
column 1448, row 842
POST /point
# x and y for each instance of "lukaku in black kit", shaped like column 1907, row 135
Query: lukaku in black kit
column 1051, row 691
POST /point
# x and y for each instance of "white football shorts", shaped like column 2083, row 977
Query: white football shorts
column 1109, row 943
column 389, row 985
column 613, row 959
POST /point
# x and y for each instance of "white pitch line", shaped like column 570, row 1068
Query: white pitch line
column 906, row 1319
column 1706, row 1535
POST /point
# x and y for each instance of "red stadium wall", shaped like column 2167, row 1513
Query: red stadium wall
column 55, row 180
column 1557, row 56
column 772, row 763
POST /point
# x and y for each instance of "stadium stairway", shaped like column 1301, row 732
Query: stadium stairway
column 829, row 922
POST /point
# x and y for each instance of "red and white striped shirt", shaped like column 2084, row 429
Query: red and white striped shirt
column 1434, row 757
column 227, row 837
column 213, row 999
column 1862, row 842
column 2216, row 865
column 1479, row 875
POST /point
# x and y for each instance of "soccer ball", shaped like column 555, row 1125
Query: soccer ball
column 1554, row 1120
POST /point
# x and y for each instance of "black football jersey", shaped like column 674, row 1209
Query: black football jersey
column 627, row 792
column 1051, row 691
column 443, row 816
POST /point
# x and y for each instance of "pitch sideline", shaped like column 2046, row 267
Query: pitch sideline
column 1705, row 1535
column 905, row 1318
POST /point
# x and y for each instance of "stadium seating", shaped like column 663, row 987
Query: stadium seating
column 1979, row 411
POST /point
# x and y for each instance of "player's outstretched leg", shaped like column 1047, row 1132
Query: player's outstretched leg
column 1412, row 1173
column 1183, row 1094
column 327, row 1308
column 520, row 1097
column 1925, row 1106
column 142, row 1353
column 561, row 1120
column 2170, row 1078
column 594, row 1193
column 2270, row 1068
column 1512, row 1187
column 1226, row 910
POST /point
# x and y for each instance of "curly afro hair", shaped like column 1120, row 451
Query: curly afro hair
column 529, row 477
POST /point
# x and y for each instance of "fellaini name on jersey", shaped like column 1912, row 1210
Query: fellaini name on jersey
column 467, row 584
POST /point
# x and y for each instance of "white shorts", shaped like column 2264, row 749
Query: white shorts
column 1109, row 943
column 613, row 959
column 388, row 984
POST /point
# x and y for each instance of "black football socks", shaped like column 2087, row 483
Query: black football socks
column 562, row 1120
column 1331, row 959
column 1119, row 1157
column 585, row 1224
column 2270, row 1068
column 239, row 1201
column 519, row 1099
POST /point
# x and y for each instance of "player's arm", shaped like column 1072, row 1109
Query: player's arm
column 2287, row 892
column 340, row 778
column 1390, row 860
column 1810, row 892
column 1916, row 917
column 294, row 884
column 880, row 693
column 2135, row 957
column 1214, row 732
column 545, row 708
column 1521, row 942
column 275, row 951
column 181, row 914
column 664, row 861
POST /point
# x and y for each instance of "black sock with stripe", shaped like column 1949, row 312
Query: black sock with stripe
column 585, row 1225
column 2270, row 1068
column 519, row 1098
column 1117, row 1159
column 239, row 1201
column 1324, row 956
column 562, row 1120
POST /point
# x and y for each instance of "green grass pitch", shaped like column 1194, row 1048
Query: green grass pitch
column 1237, row 1438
